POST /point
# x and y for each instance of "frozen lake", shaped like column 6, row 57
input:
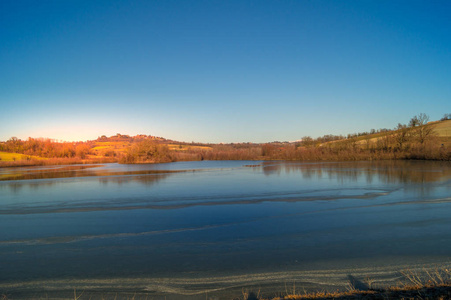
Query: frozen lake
column 191, row 229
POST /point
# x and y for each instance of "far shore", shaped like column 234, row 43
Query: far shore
column 428, row 141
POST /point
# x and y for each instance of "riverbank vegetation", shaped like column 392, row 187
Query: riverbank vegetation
column 423, row 285
column 426, row 292
column 419, row 139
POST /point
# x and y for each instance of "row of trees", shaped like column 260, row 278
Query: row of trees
column 416, row 140
column 416, row 130
column 146, row 151
column 46, row 148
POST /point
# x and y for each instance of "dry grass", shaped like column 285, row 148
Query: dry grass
column 443, row 128
column 183, row 147
column 8, row 156
column 54, row 161
column 417, row 285
column 408, row 293
column 101, row 147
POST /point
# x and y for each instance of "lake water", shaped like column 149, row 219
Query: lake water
column 213, row 228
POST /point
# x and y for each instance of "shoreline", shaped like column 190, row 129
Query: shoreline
column 426, row 291
column 63, row 162
column 363, row 282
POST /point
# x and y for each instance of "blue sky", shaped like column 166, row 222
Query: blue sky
column 220, row 71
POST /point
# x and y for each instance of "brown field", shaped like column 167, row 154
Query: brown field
column 184, row 147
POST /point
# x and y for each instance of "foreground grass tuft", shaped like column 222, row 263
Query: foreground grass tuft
column 441, row 292
column 424, row 285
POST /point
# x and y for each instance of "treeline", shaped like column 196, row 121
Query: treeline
column 382, row 149
column 46, row 148
column 416, row 122
column 415, row 140
column 127, row 138
column 239, row 151
column 146, row 151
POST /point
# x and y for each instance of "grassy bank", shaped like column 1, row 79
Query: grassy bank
column 413, row 292
column 425, row 292
column 423, row 285
column 54, row 162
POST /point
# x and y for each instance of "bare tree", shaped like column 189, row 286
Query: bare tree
column 401, row 135
column 422, row 130
column 413, row 122
column 423, row 119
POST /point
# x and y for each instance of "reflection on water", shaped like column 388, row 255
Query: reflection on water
column 409, row 173
column 74, row 171
column 145, row 180
column 38, row 177
column 227, row 218
column 387, row 171
column 345, row 180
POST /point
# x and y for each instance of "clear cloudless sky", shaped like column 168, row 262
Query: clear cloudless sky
column 220, row 71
